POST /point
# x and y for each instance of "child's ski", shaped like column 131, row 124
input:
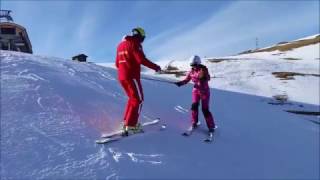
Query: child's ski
column 209, row 137
column 188, row 132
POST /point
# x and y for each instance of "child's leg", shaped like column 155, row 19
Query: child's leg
column 194, row 107
column 205, row 99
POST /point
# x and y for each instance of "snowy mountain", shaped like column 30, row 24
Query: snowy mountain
column 288, row 69
column 53, row 110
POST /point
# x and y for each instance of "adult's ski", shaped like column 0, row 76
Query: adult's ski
column 117, row 135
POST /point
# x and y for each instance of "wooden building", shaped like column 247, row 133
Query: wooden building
column 13, row 37
column 80, row 58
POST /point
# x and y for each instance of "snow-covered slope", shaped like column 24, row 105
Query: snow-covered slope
column 252, row 73
column 52, row 111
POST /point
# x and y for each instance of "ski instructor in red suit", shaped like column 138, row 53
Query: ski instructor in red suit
column 129, row 58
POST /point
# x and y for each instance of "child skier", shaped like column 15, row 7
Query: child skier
column 200, row 76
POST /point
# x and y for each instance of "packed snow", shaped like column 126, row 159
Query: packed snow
column 53, row 110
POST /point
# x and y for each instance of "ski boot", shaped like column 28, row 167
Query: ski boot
column 137, row 129
column 133, row 129
column 125, row 131
column 211, row 130
column 209, row 138
column 190, row 129
column 194, row 125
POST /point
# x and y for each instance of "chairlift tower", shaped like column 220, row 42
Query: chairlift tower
column 5, row 14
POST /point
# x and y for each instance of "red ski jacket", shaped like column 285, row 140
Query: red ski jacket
column 129, row 58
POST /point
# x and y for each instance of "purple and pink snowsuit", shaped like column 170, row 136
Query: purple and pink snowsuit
column 200, row 92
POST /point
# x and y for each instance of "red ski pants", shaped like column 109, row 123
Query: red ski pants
column 204, row 97
column 133, row 89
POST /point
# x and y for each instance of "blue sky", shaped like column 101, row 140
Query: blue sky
column 175, row 29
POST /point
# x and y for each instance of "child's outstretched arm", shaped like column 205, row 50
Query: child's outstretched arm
column 183, row 82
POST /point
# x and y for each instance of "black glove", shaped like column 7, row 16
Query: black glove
column 178, row 83
column 158, row 69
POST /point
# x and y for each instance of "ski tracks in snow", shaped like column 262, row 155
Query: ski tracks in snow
column 85, row 167
column 154, row 159
column 103, row 158
column 28, row 75
column 181, row 109
column 143, row 158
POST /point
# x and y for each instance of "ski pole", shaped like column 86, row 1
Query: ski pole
column 159, row 80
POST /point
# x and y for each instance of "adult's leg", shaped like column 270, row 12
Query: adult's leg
column 134, row 91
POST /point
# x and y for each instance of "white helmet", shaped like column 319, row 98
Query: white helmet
column 195, row 60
